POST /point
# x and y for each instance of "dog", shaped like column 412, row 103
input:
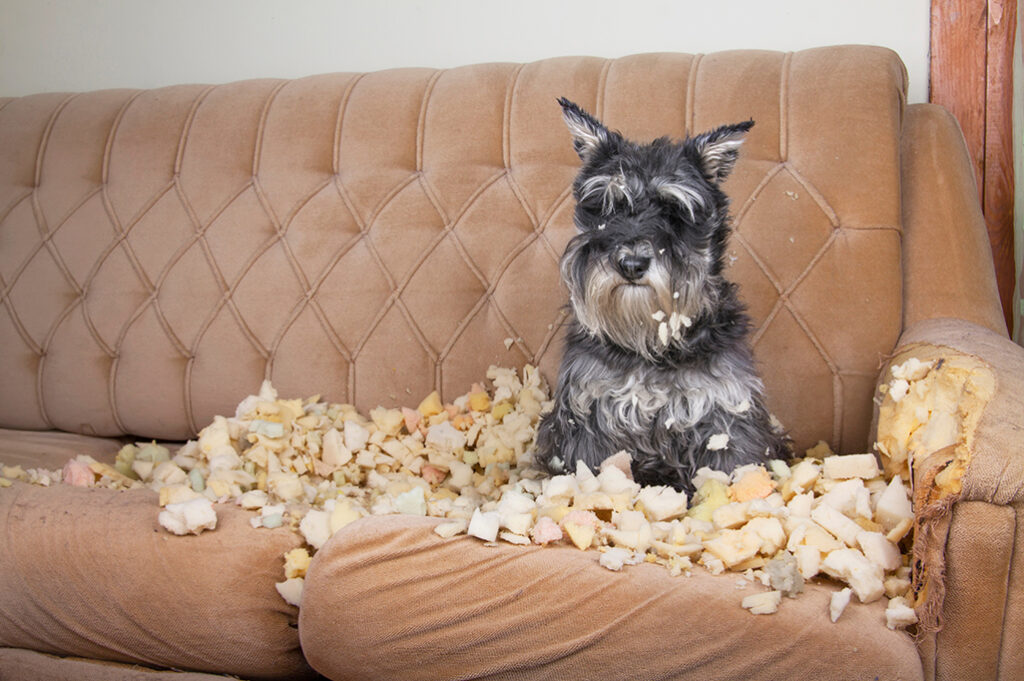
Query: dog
column 656, row 359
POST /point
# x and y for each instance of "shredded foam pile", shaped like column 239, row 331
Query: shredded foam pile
column 316, row 467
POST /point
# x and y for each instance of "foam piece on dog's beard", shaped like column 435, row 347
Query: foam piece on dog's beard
column 663, row 333
column 764, row 603
column 840, row 599
column 676, row 322
column 189, row 517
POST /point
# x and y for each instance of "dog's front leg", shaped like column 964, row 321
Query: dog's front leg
column 565, row 437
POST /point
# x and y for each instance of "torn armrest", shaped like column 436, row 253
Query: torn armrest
column 950, row 423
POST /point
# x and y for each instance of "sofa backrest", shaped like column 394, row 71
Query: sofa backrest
column 370, row 237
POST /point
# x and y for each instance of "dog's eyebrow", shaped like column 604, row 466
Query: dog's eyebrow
column 611, row 188
column 678, row 190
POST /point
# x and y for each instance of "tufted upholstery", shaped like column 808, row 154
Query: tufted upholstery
column 373, row 236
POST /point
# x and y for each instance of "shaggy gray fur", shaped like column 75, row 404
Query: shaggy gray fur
column 656, row 360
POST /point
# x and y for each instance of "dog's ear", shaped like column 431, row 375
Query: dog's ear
column 718, row 149
column 587, row 132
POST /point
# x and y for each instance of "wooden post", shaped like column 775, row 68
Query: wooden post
column 972, row 76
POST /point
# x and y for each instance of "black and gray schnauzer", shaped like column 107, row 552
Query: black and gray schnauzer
column 656, row 359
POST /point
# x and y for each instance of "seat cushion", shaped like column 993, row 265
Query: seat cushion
column 90, row 573
column 28, row 665
column 386, row 598
column 51, row 449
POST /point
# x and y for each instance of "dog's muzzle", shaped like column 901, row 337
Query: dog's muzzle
column 632, row 266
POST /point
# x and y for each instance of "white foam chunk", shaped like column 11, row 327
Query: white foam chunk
column 863, row 576
column 189, row 517
column 291, row 590
column 864, row 466
column 840, row 599
column 316, row 528
column 484, row 525
column 893, row 505
column 898, row 614
column 763, row 603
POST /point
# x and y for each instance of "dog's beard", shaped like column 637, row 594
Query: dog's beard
column 624, row 313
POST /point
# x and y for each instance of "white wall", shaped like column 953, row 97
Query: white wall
column 50, row 45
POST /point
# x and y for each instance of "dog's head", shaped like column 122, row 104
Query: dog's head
column 652, row 219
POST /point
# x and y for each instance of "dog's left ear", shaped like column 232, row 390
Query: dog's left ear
column 718, row 149
column 588, row 135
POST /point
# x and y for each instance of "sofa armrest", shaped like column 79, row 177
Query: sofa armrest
column 968, row 497
column 947, row 259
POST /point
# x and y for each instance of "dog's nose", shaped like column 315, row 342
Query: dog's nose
column 632, row 267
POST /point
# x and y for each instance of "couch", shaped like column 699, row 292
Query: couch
column 373, row 237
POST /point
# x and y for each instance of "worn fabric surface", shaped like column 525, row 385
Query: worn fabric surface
column 52, row 449
column 940, row 206
column 973, row 559
column 28, row 665
column 386, row 598
column 374, row 236
column 90, row 573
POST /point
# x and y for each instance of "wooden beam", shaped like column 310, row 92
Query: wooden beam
column 998, row 184
column 971, row 74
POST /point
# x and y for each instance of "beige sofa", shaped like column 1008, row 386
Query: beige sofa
column 372, row 237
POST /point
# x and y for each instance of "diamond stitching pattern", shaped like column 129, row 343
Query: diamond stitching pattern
column 273, row 256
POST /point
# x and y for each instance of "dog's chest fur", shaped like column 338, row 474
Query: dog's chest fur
column 631, row 400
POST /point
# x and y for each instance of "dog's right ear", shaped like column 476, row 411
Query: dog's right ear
column 587, row 132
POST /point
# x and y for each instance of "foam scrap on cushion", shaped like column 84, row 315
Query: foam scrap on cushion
column 320, row 466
